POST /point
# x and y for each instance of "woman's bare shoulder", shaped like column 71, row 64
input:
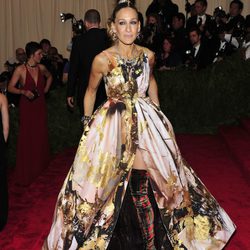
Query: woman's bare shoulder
column 41, row 66
column 21, row 68
column 101, row 59
column 110, row 52
column 101, row 62
column 147, row 51
column 104, row 59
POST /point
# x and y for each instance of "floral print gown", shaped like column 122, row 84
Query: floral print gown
column 89, row 202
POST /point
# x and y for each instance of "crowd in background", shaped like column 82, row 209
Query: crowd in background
column 196, row 41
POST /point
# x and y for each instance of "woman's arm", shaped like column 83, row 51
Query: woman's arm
column 13, row 81
column 153, row 89
column 48, row 77
column 98, row 68
column 17, row 76
column 5, row 116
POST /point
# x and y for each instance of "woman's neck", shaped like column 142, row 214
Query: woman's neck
column 126, row 51
column 31, row 63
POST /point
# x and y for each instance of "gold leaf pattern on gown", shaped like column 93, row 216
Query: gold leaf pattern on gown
column 90, row 200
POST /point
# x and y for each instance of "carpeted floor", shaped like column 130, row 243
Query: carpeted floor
column 222, row 162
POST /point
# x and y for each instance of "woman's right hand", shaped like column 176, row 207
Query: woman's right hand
column 28, row 94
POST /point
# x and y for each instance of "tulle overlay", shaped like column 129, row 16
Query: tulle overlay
column 90, row 200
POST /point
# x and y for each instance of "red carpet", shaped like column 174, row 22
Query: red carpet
column 222, row 162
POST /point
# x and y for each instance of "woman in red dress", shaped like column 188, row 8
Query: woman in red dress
column 32, row 145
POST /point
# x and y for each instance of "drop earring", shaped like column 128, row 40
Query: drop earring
column 114, row 35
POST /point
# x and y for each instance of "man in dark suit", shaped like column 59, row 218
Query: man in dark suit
column 201, row 19
column 179, row 34
column 235, row 22
column 165, row 9
column 223, row 48
column 84, row 48
column 201, row 55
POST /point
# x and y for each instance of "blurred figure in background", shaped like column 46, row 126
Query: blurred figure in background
column 246, row 43
column 166, row 9
column 234, row 23
column 200, row 55
column 4, row 132
column 46, row 45
column 223, row 48
column 179, row 34
column 21, row 58
column 169, row 58
column 201, row 20
column 10, row 66
column 55, row 66
column 152, row 34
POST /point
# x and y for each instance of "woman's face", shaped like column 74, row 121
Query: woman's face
column 166, row 46
column 126, row 25
column 37, row 56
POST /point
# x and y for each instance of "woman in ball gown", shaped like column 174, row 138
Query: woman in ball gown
column 128, row 169
column 4, row 132
column 32, row 145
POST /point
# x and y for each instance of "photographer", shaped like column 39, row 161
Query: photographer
column 179, row 34
column 152, row 35
column 165, row 9
column 245, row 50
column 46, row 45
column 223, row 47
column 201, row 20
column 199, row 55
column 218, row 21
column 84, row 48
column 55, row 65
column 234, row 24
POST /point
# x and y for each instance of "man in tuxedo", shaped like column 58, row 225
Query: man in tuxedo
column 200, row 56
column 166, row 9
column 235, row 22
column 223, row 47
column 84, row 48
column 201, row 19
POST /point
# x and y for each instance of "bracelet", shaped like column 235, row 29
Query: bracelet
column 85, row 119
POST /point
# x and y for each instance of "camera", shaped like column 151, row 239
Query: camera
column 217, row 24
column 189, row 60
column 77, row 25
column 239, row 30
column 219, row 12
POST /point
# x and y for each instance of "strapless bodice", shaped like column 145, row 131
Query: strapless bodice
column 128, row 78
